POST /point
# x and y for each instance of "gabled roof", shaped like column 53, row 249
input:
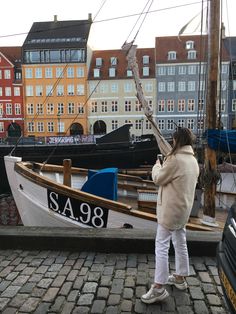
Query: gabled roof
column 121, row 67
column 178, row 44
column 13, row 54
column 56, row 34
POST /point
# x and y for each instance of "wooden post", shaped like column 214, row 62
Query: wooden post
column 67, row 172
column 211, row 102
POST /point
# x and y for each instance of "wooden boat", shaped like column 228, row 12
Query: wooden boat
column 64, row 196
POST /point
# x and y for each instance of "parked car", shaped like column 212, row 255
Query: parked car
column 226, row 259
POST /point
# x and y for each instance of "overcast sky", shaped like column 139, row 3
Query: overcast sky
column 114, row 20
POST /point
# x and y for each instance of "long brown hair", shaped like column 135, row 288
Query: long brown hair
column 182, row 137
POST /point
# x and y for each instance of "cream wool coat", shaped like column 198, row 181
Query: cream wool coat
column 177, row 179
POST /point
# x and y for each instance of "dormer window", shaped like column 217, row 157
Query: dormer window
column 171, row 55
column 189, row 44
column 129, row 73
column 192, row 54
column 112, row 72
column 145, row 71
column 98, row 62
column 146, row 59
column 113, row 61
column 96, row 72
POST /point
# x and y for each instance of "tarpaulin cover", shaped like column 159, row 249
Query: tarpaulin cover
column 222, row 140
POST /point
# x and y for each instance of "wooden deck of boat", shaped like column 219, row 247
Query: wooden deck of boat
column 194, row 223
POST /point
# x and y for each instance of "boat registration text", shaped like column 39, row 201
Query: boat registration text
column 85, row 213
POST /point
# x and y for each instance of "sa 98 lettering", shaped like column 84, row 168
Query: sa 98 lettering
column 85, row 213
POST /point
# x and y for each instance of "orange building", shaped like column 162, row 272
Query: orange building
column 54, row 71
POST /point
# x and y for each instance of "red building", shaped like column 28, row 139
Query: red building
column 11, row 93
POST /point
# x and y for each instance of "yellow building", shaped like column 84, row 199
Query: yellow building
column 54, row 74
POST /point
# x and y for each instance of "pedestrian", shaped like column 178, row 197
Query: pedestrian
column 176, row 179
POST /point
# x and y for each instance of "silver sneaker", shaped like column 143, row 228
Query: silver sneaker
column 154, row 295
column 181, row 285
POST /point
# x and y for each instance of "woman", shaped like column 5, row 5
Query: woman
column 176, row 179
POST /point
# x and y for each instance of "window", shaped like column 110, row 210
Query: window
column 18, row 75
column 28, row 73
column 29, row 91
column 138, row 106
column 59, row 72
column 161, row 87
column 200, row 104
column 8, row 109
column 80, row 109
column 192, row 54
column 191, row 105
column 60, row 108
column 71, row 108
column 60, row 126
column 80, row 89
column 94, row 107
column 17, row 109
column 172, row 55
column 191, row 86
column 114, row 106
column 104, row 88
column 16, row 91
column 224, row 68
column 189, row 44
column 112, row 72
column 170, row 105
column 181, row 105
column 202, row 69
column 1, row 127
column 39, row 109
column 30, row 127
column 40, row 127
column 50, row 126
column 48, row 72
column 148, row 125
column 39, row 90
column 98, row 62
column 192, row 69
column 38, row 73
column 70, row 72
column 181, row 123
column 222, row 105
column 200, row 124
column 182, row 86
column 104, row 106
column 93, row 88
column 161, row 124
column 113, row 61
column 202, row 85
column 7, row 74
column 161, row 70
column 60, row 90
column 223, row 85
column 50, row 108
column 190, row 124
column 128, row 87
column 8, row 91
column 96, row 72
column 170, row 70
column 148, row 87
column 49, row 90
column 128, row 106
column 170, row 86
column 70, row 89
column 30, row 109
column 80, row 72
column 170, row 125
column 0, row 91
column 182, row 69
column 145, row 71
column 114, row 124
column 1, row 109
column 0, row 72
column 146, row 59
column 234, row 104
column 138, row 124
column 129, row 73
column 161, row 105
column 114, row 87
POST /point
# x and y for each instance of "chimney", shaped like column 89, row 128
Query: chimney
column 90, row 17
column 55, row 18
column 223, row 31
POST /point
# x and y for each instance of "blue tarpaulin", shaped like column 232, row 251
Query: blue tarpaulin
column 222, row 140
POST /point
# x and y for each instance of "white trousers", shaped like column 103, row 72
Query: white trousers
column 162, row 245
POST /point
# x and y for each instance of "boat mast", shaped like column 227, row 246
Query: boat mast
column 211, row 104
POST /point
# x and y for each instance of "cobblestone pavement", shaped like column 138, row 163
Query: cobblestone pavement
column 87, row 282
